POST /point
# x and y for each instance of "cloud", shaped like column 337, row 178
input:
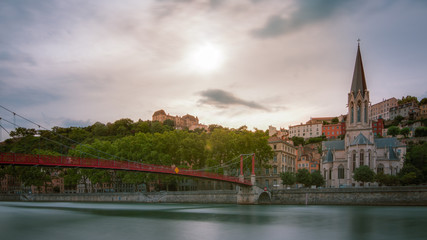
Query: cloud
column 222, row 99
column 307, row 12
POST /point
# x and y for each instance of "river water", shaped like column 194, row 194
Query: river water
column 62, row 221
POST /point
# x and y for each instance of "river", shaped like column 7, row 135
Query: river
column 63, row 221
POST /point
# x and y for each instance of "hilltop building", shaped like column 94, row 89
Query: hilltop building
column 407, row 110
column 381, row 110
column 187, row 121
column 308, row 130
column 359, row 147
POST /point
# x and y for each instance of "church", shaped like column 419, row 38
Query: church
column 360, row 146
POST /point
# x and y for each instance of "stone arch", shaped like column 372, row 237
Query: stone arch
column 264, row 198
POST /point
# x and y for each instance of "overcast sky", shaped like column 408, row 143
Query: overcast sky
column 233, row 63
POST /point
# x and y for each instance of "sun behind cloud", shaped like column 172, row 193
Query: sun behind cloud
column 205, row 58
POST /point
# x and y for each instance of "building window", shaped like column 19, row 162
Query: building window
column 330, row 173
column 358, row 112
column 341, row 172
column 354, row 161
column 369, row 158
column 380, row 168
column 351, row 114
column 274, row 170
column 267, row 171
column 275, row 159
column 362, row 156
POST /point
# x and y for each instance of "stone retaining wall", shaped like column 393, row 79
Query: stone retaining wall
column 415, row 196
column 229, row 197
column 399, row 196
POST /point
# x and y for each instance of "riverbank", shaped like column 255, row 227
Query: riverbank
column 378, row 196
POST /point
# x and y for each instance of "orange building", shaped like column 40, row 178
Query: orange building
column 334, row 131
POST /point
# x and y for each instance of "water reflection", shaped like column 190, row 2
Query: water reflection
column 175, row 221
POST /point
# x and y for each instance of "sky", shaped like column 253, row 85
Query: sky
column 233, row 63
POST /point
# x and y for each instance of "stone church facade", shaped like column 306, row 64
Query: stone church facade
column 359, row 147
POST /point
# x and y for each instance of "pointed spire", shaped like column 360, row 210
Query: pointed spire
column 359, row 81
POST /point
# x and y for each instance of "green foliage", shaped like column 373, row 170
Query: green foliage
column 142, row 141
column 303, row 176
column 317, row 179
column 335, row 120
column 23, row 132
column 421, row 132
column 397, row 120
column 297, row 140
column 288, row 178
column 405, row 131
column 364, row 174
column 407, row 99
column 423, row 101
column 393, row 131
column 386, row 179
column 416, row 161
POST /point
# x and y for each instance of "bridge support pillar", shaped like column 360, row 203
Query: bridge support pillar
column 253, row 179
column 250, row 195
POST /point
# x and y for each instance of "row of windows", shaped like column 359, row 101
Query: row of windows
column 333, row 133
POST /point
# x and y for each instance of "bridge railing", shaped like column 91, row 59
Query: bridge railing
column 67, row 161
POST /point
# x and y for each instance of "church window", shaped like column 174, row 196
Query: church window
column 358, row 112
column 330, row 173
column 354, row 161
column 362, row 156
column 380, row 168
column 341, row 172
column 352, row 114
column 369, row 158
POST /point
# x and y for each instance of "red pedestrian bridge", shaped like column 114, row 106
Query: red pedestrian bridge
column 77, row 162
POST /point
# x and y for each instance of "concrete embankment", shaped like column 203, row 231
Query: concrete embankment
column 387, row 196
column 229, row 197
column 398, row 196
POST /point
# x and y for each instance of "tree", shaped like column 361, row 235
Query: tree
column 335, row 120
column 303, row 176
column 393, row 131
column 407, row 99
column 297, row 140
column 364, row 174
column 288, row 178
column 421, row 132
column 397, row 120
column 317, row 179
column 405, row 131
column 386, row 179
column 423, row 101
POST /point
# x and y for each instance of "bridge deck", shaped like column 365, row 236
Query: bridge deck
column 73, row 162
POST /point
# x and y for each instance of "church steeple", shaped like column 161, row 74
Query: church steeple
column 358, row 98
column 359, row 81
